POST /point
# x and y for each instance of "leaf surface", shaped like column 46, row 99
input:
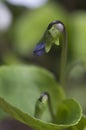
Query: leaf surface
column 21, row 86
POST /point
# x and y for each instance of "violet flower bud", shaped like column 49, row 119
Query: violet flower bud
column 39, row 49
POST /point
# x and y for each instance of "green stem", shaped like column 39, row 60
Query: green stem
column 63, row 57
column 50, row 107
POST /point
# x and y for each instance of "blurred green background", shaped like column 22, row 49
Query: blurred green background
column 22, row 24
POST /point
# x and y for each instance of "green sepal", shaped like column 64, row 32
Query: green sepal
column 51, row 37
column 57, row 42
column 55, row 34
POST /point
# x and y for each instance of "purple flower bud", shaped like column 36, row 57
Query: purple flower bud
column 39, row 49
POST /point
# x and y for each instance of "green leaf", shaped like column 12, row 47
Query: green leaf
column 22, row 86
column 31, row 121
column 81, row 125
column 24, row 118
column 68, row 112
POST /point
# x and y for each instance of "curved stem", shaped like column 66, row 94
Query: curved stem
column 63, row 57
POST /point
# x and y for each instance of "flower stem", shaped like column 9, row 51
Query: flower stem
column 63, row 41
column 50, row 107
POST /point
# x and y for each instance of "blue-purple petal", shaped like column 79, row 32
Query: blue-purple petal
column 39, row 49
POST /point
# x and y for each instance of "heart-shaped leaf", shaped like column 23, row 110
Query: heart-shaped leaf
column 21, row 86
column 36, row 123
